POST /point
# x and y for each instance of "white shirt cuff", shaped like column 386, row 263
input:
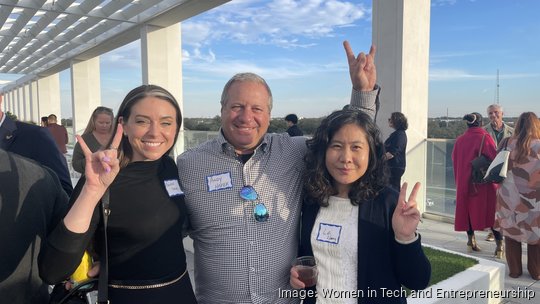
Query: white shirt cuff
column 409, row 241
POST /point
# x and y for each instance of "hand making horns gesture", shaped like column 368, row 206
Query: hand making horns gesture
column 362, row 68
column 101, row 166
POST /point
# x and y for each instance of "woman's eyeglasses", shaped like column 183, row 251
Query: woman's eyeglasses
column 260, row 212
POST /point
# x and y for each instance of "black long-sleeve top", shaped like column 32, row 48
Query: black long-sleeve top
column 144, row 228
column 396, row 144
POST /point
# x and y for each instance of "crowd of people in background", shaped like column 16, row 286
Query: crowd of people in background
column 511, row 209
column 252, row 201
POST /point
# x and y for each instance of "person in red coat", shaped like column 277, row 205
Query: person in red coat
column 475, row 203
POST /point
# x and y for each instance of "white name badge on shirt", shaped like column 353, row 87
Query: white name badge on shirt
column 219, row 181
column 173, row 188
column 329, row 233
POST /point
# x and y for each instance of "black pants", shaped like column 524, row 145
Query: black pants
column 395, row 177
column 496, row 234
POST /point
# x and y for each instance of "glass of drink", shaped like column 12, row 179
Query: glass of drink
column 307, row 270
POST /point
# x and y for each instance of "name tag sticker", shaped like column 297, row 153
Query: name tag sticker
column 219, row 181
column 329, row 233
column 173, row 188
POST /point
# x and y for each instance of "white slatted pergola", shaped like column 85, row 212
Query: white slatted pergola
column 42, row 37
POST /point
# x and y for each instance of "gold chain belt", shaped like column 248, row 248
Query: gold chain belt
column 149, row 286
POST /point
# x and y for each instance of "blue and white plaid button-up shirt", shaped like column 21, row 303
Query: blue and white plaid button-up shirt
column 237, row 259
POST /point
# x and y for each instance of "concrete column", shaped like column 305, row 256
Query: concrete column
column 6, row 103
column 15, row 102
column 401, row 34
column 13, row 97
column 161, row 57
column 27, row 103
column 20, row 104
column 49, row 96
column 34, row 102
column 11, row 101
column 86, row 91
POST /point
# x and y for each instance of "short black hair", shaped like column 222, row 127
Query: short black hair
column 292, row 118
column 473, row 120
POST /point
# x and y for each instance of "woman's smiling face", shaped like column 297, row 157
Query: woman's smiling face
column 150, row 128
column 347, row 157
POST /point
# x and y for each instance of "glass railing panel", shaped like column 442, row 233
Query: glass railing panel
column 440, row 184
column 195, row 138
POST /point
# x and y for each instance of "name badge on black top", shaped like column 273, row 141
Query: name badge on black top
column 173, row 187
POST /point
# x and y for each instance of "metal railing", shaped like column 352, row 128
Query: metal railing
column 440, row 185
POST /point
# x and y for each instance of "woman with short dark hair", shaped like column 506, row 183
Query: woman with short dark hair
column 396, row 148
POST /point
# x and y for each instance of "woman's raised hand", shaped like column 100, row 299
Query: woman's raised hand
column 100, row 171
column 361, row 68
column 406, row 216
column 101, row 166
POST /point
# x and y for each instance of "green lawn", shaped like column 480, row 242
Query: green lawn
column 445, row 265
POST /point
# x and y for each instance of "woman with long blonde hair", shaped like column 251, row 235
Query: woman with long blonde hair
column 518, row 198
column 97, row 134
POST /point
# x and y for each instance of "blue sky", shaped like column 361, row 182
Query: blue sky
column 297, row 47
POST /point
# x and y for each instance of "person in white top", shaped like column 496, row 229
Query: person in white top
column 361, row 231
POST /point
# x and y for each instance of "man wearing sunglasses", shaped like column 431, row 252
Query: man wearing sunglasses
column 243, row 192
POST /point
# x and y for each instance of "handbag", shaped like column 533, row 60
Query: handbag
column 92, row 291
column 479, row 166
column 496, row 173
column 83, row 293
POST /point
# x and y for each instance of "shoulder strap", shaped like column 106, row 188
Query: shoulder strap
column 481, row 145
column 103, row 285
column 506, row 140
column 503, row 144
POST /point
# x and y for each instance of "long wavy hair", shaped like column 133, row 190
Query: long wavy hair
column 319, row 184
column 125, row 151
column 527, row 129
column 91, row 126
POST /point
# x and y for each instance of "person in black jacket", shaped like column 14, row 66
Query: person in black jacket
column 32, row 203
column 361, row 232
column 396, row 148
column 36, row 143
column 293, row 129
